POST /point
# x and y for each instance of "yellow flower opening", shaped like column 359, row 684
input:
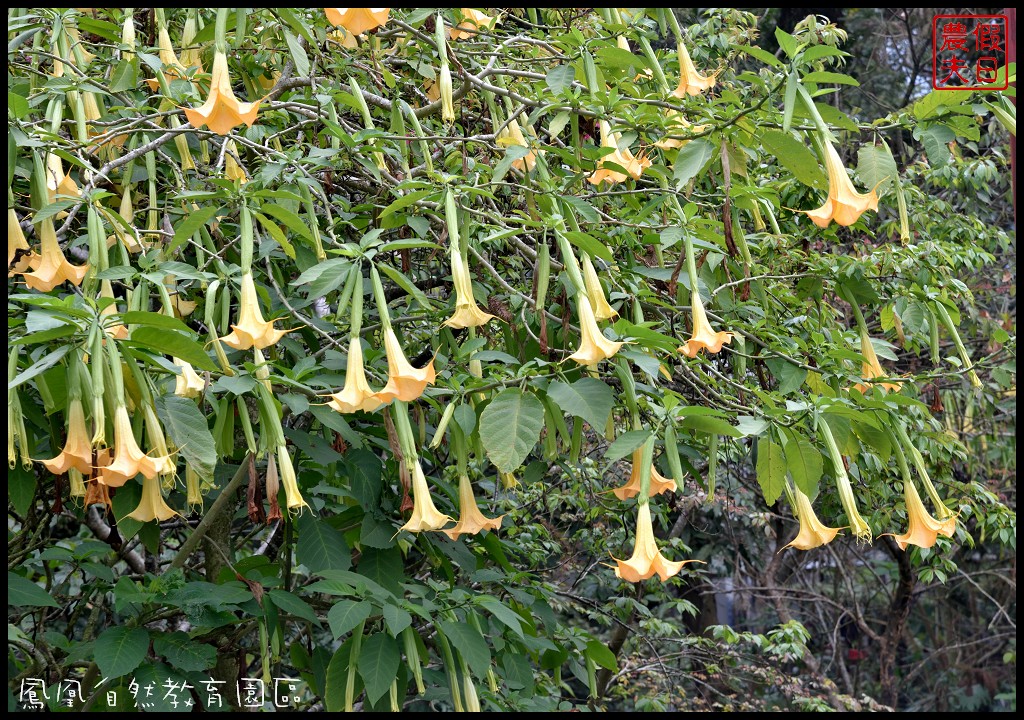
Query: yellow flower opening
column 467, row 312
column 116, row 330
column 357, row 20
column 187, row 384
column 172, row 67
column 691, row 82
column 594, row 346
column 425, row 516
column 813, row 533
column 923, row 529
column 252, row 330
column 471, row 520
column 405, row 382
column 472, row 22
column 293, row 497
column 607, row 174
column 15, row 240
column 513, row 135
column 677, row 125
column 59, row 182
column 51, row 267
column 659, row 484
column 647, row 559
column 844, row 204
column 129, row 460
column 595, row 292
column 704, row 336
column 77, row 451
column 356, row 395
column 872, row 368
column 152, row 505
column 222, row 111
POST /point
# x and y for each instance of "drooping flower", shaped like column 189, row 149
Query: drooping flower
column 252, row 330
column 96, row 493
column 187, row 384
column 659, row 483
column 923, row 529
column 471, row 520
column 128, row 460
column 594, row 346
column 691, row 82
column 76, row 483
column 152, row 505
column 677, row 125
column 356, row 395
column 513, row 135
column 602, row 173
column 127, row 212
column 293, row 496
column 116, row 330
column 813, row 533
column 704, row 336
column 342, row 37
column 357, row 20
column 467, row 312
column 232, row 170
column 15, row 240
column 172, row 67
column 872, row 368
column 222, row 111
column 844, row 204
column 77, row 451
column 425, row 516
column 446, row 94
column 58, row 181
column 595, row 293
column 647, row 559
column 472, row 21
column 405, row 382
column 51, row 267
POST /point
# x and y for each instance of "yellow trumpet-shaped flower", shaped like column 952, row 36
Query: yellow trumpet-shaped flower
column 471, row 520
column 844, row 204
column 425, row 516
column 118, row 330
column 659, row 483
column 252, row 330
column 293, row 497
column 342, row 37
column 405, row 382
column 472, row 21
column 152, row 505
column 595, row 293
column 594, row 346
column 188, row 384
column 691, row 82
column 77, row 452
column 222, row 110
column 872, row 368
column 677, row 125
column 467, row 312
column 357, row 20
column 15, row 239
column 704, row 336
column 127, row 212
column 58, row 181
column 923, row 529
column 813, row 533
column 513, row 135
column 96, row 493
column 76, row 483
column 232, row 170
column 647, row 559
column 356, row 395
column 51, row 267
column 508, row 481
column 635, row 164
column 129, row 460
column 602, row 173
column 172, row 67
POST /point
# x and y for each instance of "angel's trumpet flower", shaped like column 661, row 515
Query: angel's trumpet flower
column 872, row 368
column 691, row 82
column 594, row 346
column 152, row 505
column 252, row 330
column 293, row 497
column 129, row 460
column 659, row 483
column 172, row 67
column 602, row 173
column 77, row 452
column 472, row 22
column 471, row 520
column 96, row 493
column 357, row 20
column 704, row 336
column 51, row 267
column 356, row 395
column 222, row 111
column 118, row 330
column 232, row 170
column 15, row 240
column 446, row 93
column 405, row 382
column 923, row 529
column 677, row 125
column 187, row 384
column 844, row 204
column 467, row 312
column 813, row 533
column 58, row 181
column 425, row 516
column 513, row 135
column 647, row 559
column 595, row 293
column 127, row 212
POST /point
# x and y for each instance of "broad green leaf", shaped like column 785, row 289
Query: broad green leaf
column 184, row 653
column 787, row 42
column 626, row 443
column 830, row 78
column 691, row 160
column 588, row 398
column 771, row 470
column 795, row 157
column 589, row 244
column 712, row 425
column 405, row 201
column 396, row 618
column 324, row 277
column 470, row 643
column 155, row 320
column 292, row 221
column 22, row 592
column 560, row 77
column 876, row 167
column 169, row 342
column 378, row 664
column 347, row 614
column 876, row 439
column 320, row 547
column 293, row 605
column 193, row 220
column 602, row 655
column 39, row 366
column 510, row 426
column 761, row 54
column 299, row 56
column 275, row 232
column 187, row 427
column 803, row 460
column 936, row 141
column 506, row 615
column 120, row 649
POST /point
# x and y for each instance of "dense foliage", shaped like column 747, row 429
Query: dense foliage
column 527, row 360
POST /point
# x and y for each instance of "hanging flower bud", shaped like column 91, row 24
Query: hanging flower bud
column 595, row 292
column 467, row 312
column 444, row 86
column 293, row 497
column 16, row 241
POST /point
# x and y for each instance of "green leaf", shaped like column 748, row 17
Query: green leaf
column 786, row 41
column 292, row 221
column 192, row 221
column 39, row 366
column 712, row 425
column 154, row 319
column 335, row 679
column 823, row 77
column 275, row 232
column 931, row 103
column 589, row 244
column 347, row 614
column 795, row 157
column 771, row 470
column 383, row 566
column 470, row 643
column 790, row 376
column 875, row 438
column 188, row 429
column 588, row 398
column 559, row 78
column 378, row 664
column 585, row 209
column 184, row 653
column 626, row 443
column 602, row 655
column 299, row 56
column 406, row 285
column 396, row 619
column 761, row 54
column 320, row 546
column 17, row 105
column 119, row 650
column 22, row 592
column 804, row 463
column 125, row 76
column 405, row 201
column 168, row 342
column 691, row 160
column 293, row 605
column 876, row 167
column 506, row 615
column 936, row 141
column 510, row 426
column 324, row 277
